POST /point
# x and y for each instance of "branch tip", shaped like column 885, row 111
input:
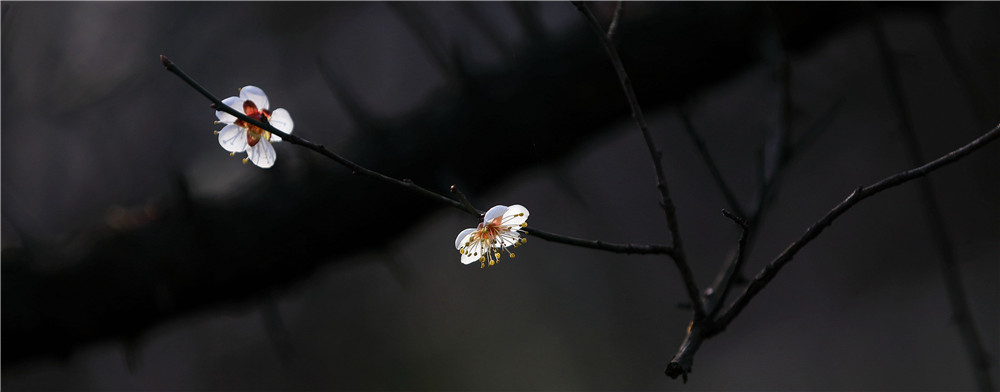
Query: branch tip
column 165, row 61
column 675, row 369
column 735, row 218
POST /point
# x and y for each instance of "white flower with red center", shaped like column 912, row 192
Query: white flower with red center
column 500, row 229
column 238, row 136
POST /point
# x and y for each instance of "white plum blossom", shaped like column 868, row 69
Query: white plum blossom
column 500, row 229
column 238, row 136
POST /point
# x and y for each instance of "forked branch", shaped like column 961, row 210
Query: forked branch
column 681, row 364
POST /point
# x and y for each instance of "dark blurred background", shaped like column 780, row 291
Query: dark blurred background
column 138, row 255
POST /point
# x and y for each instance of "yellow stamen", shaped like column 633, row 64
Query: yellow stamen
column 215, row 132
column 524, row 224
column 244, row 161
column 512, row 255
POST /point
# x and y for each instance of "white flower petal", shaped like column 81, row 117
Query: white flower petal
column 233, row 102
column 513, row 217
column 468, row 257
column 262, row 154
column 255, row 94
column 233, row 138
column 493, row 213
column 283, row 121
column 461, row 239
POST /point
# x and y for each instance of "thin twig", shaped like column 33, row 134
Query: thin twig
column 706, row 156
column 809, row 136
column 465, row 201
column 661, row 183
column 768, row 273
column 680, row 365
column 613, row 27
column 721, row 289
column 463, row 204
column 715, row 297
column 775, row 153
column 357, row 169
column 960, row 308
column 640, row 249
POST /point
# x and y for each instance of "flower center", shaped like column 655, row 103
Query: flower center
column 490, row 230
column 254, row 133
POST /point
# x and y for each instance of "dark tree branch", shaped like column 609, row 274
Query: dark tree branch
column 173, row 265
column 465, row 201
column 776, row 151
column 775, row 148
column 613, row 27
column 593, row 244
column 720, row 290
column 706, row 156
column 680, row 365
column 809, row 136
column 661, row 183
column 855, row 197
column 962, row 313
column 406, row 183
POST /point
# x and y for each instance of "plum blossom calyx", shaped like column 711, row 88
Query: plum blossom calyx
column 239, row 136
column 500, row 229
